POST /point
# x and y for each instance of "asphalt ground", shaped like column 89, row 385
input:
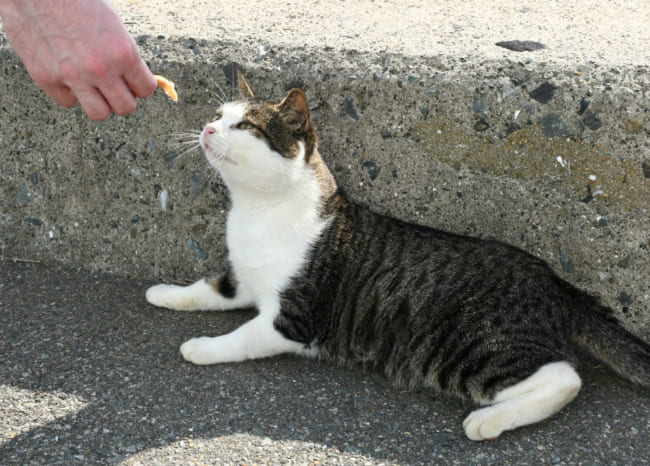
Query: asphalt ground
column 91, row 374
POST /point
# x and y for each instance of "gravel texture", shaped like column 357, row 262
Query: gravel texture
column 91, row 374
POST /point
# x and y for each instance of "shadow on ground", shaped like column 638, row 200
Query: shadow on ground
column 90, row 373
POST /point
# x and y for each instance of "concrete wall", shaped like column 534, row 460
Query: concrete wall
column 553, row 159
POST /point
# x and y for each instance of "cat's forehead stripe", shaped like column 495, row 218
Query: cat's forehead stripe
column 274, row 129
column 272, row 125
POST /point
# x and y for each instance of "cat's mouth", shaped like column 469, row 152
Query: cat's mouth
column 216, row 149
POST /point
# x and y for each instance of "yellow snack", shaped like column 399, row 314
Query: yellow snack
column 167, row 86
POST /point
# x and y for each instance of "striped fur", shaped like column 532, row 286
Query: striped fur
column 433, row 309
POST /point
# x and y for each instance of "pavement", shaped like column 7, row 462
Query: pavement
column 91, row 374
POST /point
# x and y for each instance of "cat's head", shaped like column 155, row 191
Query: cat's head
column 262, row 145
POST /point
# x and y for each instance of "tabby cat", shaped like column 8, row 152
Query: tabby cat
column 475, row 318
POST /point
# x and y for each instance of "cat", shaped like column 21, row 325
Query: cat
column 475, row 318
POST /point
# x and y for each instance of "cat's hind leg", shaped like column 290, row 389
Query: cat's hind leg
column 255, row 339
column 535, row 398
column 218, row 294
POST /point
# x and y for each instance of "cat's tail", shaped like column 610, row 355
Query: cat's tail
column 599, row 332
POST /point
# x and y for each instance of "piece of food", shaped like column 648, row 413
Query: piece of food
column 167, row 86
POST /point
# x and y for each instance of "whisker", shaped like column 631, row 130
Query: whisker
column 185, row 136
column 190, row 135
column 187, row 151
column 181, row 141
column 184, row 145
column 213, row 176
column 220, row 100
column 217, row 92
column 183, row 133
column 195, row 146
column 220, row 94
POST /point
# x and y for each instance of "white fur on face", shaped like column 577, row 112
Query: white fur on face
column 245, row 162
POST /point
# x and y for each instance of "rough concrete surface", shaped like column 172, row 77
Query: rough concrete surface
column 420, row 115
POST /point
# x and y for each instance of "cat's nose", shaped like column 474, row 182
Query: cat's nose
column 209, row 130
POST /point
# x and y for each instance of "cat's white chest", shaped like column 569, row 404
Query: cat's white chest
column 267, row 248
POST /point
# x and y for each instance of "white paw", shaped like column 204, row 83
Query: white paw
column 199, row 351
column 171, row 297
column 486, row 423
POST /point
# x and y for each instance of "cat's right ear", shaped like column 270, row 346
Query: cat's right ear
column 244, row 88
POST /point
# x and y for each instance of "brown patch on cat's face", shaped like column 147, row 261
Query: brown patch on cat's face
column 283, row 125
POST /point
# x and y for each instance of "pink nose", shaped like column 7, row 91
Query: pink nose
column 209, row 130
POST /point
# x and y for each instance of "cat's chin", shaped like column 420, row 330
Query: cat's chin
column 220, row 158
column 216, row 149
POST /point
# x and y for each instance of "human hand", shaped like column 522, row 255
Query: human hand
column 78, row 50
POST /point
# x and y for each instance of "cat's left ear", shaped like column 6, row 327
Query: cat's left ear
column 244, row 88
column 296, row 109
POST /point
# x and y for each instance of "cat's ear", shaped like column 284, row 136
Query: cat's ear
column 244, row 88
column 296, row 109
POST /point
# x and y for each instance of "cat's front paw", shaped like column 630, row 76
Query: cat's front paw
column 164, row 296
column 486, row 423
column 199, row 296
column 200, row 351
column 180, row 298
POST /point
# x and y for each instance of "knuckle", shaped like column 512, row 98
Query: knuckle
column 124, row 53
column 98, row 67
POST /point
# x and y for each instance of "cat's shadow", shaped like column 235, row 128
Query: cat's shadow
column 97, row 339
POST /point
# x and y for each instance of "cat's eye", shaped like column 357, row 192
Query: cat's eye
column 245, row 125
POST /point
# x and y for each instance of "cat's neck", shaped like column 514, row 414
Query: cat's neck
column 297, row 203
column 303, row 197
